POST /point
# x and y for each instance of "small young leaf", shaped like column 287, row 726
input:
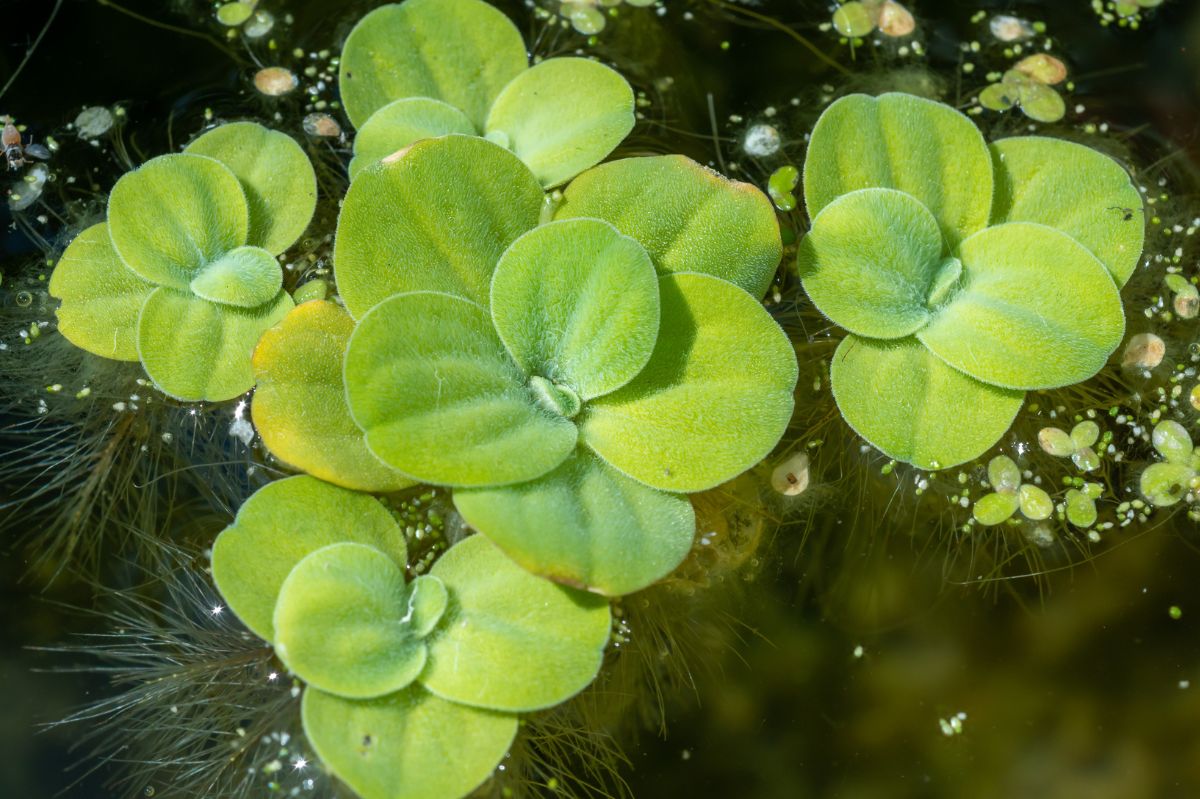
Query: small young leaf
column 1081, row 509
column 1164, row 484
column 714, row 399
column 1004, row 475
column 436, row 219
column 995, row 508
column 1056, row 442
column 563, row 116
column 1172, row 441
column 898, row 141
column 577, row 302
column 282, row 523
column 198, row 350
column 511, row 640
column 245, row 277
column 276, row 176
column 299, row 405
column 870, row 262
column 1043, row 180
column 462, row 52
column 1035, row 310
column 853, row 19
column 439, row 398
column 689, row 218
column 410, row 743
column 1085, row 434
column 585, row 525
column 402, row 122
column 174, row 214
column 101, row 297
column 1035, row 503
column 912, row 406
column 345, row 622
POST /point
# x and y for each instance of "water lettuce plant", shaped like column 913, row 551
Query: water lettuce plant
column 571, row 380
column 426, row 68
column 183, row 275
column 964, row 273
column 412, row 687
column 1178, row 474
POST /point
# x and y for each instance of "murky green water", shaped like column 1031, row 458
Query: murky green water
column 854, row 642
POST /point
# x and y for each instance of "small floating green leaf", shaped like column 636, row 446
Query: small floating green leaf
column 282, row 523
column 440, row 399
column 245, row 277
column 101, row 297
column 576, row 302
column 511, row 640
column 1004, row 475
column 995, row 508
column 401, row 744
column 585, row 525
column 1035, row 502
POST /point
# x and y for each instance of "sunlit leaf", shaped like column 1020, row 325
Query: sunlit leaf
column 299, row 405
column 1083, row 193
column 441, row 400
column 563, row 116
column 462, row 52
column 511, row 640
column 245, row 277
column 689, row 218
column 913, row 407
column 586, row 525
column 872, row 261
column 714, row 399
column 174, row 214
column 577, row 303
column 198, row 350
column 276, row 176
column 408, row 744
column 281, row 524
column 101, row 297
column 435, row 219
column 1035, row 309
column 402, row 122
column 346, row 622
column 899, row 141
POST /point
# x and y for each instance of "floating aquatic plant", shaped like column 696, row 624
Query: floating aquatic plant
column 1166, row 483
column 963, row 273
column 858, row 18
column 1010, row 494
column 1029, row 85
column 400, row 673
column 571, row 380
column 1076, row 445
column 183, row 275
column 427, row 68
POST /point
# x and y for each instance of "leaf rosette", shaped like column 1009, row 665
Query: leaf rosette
column 413, row 687
column 570, row 380
column 183, row 275
column 964, row 274
column 426, row 68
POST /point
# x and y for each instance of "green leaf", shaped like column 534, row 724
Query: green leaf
column 410, row 744
column 1081, row 192
column 1004, row 475
column 714, row 399
column 563, row 116
column 101, row 297
column 852, row 19
column 1172, row 441
column 435, row 219
column 585, row 525
column 198, row 350
column 439, row 399
column 276, row 176
column 1081, row 509
column 871, row 262
column 913, row 407
column 1056, row 442
column 689, row 218
column 1035, row 310
column 402, row 122
column 577, row 302
column 346, row 622
column 174, row 214
column 1164, row 484
column 462, row 52
column 995, row 508
column 245, row 277
column 299, row 405
column 1035, row 502
column 1085, row 434
column 279, row 526
column 511, row 640
column 898, row 141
